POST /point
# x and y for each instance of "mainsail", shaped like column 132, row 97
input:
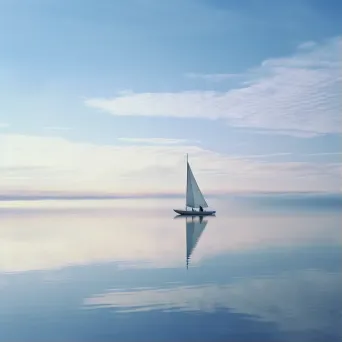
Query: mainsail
column 194, row 196
column 194, row 229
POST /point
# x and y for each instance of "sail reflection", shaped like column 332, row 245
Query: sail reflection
column 194, row 229
column 195, row 226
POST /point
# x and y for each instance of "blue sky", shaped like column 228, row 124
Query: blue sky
column 249, row 88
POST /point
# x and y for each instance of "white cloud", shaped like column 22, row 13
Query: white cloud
column 34, row 164
column 4, row 125
column 297, row 95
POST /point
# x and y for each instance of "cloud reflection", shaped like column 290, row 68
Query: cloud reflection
column 48, row 239
column 290, row 300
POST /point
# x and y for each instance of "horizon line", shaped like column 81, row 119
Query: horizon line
column 88, row 196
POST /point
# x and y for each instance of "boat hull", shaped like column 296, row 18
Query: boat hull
column 194, row 213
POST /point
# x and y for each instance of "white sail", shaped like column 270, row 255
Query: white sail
column 194, row 230
column 194, row 196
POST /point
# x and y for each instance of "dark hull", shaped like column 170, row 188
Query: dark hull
column 195, row 213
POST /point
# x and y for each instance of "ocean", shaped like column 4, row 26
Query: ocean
column 267, row 267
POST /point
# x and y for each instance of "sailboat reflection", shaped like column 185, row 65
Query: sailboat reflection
column 195, row 226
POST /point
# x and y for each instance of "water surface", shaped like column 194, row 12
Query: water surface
column 266, row 268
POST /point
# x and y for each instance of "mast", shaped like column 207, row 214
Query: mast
column 186, row 184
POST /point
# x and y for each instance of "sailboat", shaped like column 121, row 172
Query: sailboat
column 194, row 197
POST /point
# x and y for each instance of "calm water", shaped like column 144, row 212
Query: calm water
column 266, row 268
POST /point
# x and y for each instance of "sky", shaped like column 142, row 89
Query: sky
column 107, row 97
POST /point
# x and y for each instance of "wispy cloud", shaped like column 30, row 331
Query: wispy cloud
column 297, row 95
column 213, row 77
column 4, row 125
column 270, row 155
column 57, row 128
column 155, row 141
column 294, row 133
column 307, row 45
column 32, row 163
column 325, row 154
